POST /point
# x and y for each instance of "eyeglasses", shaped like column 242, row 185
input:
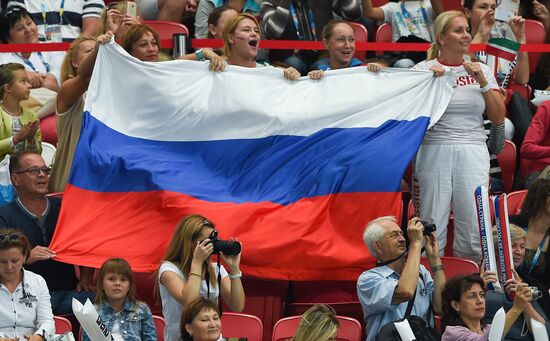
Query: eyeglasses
column 12, row 237
column 35, row 171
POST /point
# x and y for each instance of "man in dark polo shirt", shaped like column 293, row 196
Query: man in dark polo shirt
column 36, row 215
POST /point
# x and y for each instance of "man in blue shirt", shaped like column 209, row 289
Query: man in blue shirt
column 385, row 290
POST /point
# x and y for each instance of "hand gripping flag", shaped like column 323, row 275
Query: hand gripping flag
column 502, row 54
column 294, row 170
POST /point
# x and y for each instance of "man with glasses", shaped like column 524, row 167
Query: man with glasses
column 399, row 286
column 36, row 214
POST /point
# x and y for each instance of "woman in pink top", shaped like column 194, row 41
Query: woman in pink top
column 463, row 308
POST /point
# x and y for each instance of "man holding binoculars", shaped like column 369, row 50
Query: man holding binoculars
column 386, row 290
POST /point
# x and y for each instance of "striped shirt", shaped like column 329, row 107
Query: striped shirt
column 74, row 11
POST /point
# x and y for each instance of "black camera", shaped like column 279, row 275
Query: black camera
column 227, row 247
column 428, row 228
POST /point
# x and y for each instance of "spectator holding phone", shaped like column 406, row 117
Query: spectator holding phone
column 186, row 273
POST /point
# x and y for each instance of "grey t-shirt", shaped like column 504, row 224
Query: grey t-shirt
column 462, row 122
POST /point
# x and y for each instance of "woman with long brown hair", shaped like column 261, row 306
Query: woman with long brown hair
column 186, row 273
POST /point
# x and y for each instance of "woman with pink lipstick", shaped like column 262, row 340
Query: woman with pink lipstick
column 464, row 308
column 453, row 158
column 241, row 37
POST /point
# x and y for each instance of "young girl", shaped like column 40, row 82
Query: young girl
column 19, row 129
column 127, row 318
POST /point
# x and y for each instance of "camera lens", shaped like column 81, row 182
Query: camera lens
column 536, row 293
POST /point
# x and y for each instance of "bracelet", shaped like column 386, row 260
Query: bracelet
column 195, row 274
column 485, row 88
column 235, row 276
column 200, row 55
column 437, row 268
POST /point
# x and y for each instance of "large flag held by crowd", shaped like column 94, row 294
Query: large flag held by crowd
column 293, row 169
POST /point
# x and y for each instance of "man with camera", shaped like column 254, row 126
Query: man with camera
column 386, row 290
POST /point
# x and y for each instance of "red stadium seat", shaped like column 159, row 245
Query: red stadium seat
column 62, row 325
column 534, row 34
column 145, row 289
column 361, row 36
column 350, row 329
column 507, row 161
column 378, row 3
column 452, row 5
column 160, row 325
column 166, row 29
column 48, row 130
column 340, row 295
column 236, row 325
column 454, row 266
column 515, row 201
column 383, row 35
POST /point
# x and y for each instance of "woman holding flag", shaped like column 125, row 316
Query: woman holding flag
column 453, row 158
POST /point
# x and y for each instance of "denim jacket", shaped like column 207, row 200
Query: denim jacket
column 136, row 323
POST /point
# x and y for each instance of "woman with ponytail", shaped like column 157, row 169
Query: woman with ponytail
column 453, row 158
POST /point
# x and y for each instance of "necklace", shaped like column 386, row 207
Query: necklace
column 18, row 113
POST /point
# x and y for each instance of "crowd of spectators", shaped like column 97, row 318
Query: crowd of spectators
column 451, row 162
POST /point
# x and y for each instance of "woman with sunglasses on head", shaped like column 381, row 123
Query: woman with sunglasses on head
column 43, row 68
column 186, row 273
column 25, row 308
column 318, row 323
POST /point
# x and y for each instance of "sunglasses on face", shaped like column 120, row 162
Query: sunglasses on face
column 12, row 237
column 35, row 171
column 13, row 10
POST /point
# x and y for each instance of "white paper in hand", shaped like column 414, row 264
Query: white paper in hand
column 497, row 326
column 404, row 330
column 91, row 322
column 540, row 96
column 539, row 331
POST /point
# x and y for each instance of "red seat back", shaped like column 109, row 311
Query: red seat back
column 166, row 29
column 237, row 325
column 383, row 35
column 160, row 325
column 507, row 162
column 534, row 34
column 454, row 266
column 350, row 329
column 361, row 36
column 62, row 325
column 515, row 201
column 145, row 290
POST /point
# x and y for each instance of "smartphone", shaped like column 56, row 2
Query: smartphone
column 506, row 10
column 131, row 8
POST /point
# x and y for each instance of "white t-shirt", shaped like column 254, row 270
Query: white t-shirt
column 462, row 122
column 45, row 62
column 412, row 21
column 172, row 309
column 74, row 11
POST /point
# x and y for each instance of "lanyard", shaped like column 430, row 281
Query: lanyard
column 537, row 254
column 61, row 12
column 29, row 63
column 407, row 16
column 310, row 24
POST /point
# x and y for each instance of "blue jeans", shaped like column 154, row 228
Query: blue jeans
column 62, row 300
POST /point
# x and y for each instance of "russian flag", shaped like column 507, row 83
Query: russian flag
column 294, row 170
